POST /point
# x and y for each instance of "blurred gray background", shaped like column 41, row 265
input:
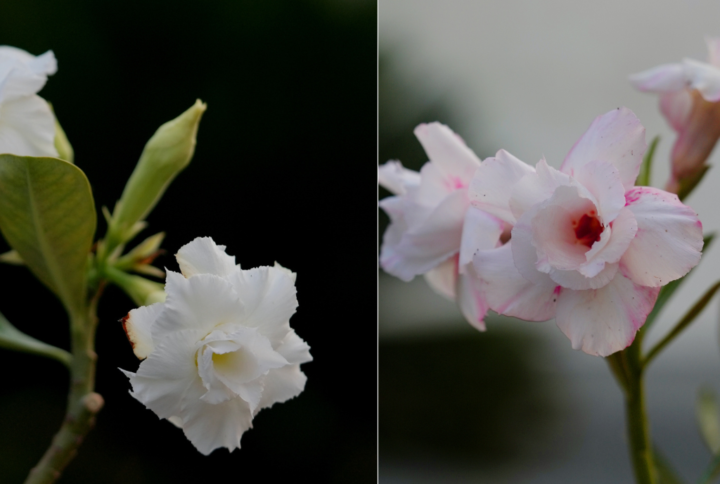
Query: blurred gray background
column 516, row 404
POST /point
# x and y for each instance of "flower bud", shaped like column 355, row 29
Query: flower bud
column 62, row 144
column 142, row 291
column 168, row 151
column 697, row 135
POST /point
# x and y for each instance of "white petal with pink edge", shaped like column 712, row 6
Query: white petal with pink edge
column 471, row 298
column 665, row 77
column 395, row 178
column 424, row 247
column 481, row 231
column 492, row 184
column 616, row 137
column 443, row 278
column 448, row 152
column 669, row 239
column 508, row 292
column 705, row 78
column 602, row 180
column 603, row 321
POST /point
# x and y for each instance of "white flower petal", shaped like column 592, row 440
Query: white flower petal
column 448, row 152
column 578, row 281
column 44, row 64
column 281, row 385
column 204, row 256
column 443, row 278
column 616, row 137
column 492, row 184
column 705, row 78
column 713, row 45
column 137, row 326
column 210, row 426
column 27, row 127
column 268, row 299
column 294, row 349
column 668, row 241
column 394, row 177
column 622, row 232
column 508, row 292
column 603, row 321
column 198, row 304
column 165, row 375
column 539, row 186
column 662, row 78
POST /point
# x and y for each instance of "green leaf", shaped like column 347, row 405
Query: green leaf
column 644, row 177
column 666, row 474
column 47, row 215
column 12, row 339
column 687, row 185
column 667, row 291
column 707, row 413
column 689, row 317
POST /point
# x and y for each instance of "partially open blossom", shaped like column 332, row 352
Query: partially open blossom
column 434, row 230
column 689, row 95
column 27, row 125
column 220, row 348
column 588, row 247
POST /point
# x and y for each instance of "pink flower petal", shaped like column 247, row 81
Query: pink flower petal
column 602, row 180
column 713, row 45
column 676, row 107
column 493, row 181
column 705, row 78
column 666, row 77
column 471, row 298
column 616, row 137
column 603, row 321
column 579, row 282
column 622, row 232
column 481, row 231
column 508, row 292
column 448, row 152
column 423, row 247
column 394, row 177
column 539, row 186
column 443, row 278
column 668, row 241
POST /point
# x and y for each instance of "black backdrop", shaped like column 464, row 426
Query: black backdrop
column 283, row 171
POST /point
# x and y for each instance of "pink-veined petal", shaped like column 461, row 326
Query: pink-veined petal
column 395, row 178
column 443, row 278
column 616, row 137
column 137, row 326
column 676, row 107
column 662, row 78
column 448, row 152
column 669, row 238
column 603, row 321
column 492, row 184
column 204, row 256
column 508, row 292
column 431, row 243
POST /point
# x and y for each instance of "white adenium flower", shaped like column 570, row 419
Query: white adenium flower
column 434, row 230
column 689, row 94
column 27, row 125
column 588, row 247
column 220, row 348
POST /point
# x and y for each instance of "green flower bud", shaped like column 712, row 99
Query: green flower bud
column 168, row 151
column 142, row 291
column 62, row 144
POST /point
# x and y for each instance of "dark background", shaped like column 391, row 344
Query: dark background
column 283, row 171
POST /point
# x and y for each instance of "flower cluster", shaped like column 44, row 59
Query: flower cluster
column 586, row 246
column 28, row 124
column 220, row 348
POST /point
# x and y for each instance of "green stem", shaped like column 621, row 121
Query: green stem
column 637, row 423
column 83, row 402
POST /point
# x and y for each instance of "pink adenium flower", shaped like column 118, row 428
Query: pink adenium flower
column 588, row 247
column 434, row 231
column 689, row 95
